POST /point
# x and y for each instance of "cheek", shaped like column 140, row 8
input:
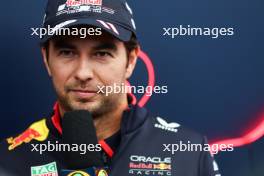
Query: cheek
column 112, row 73
column 59, row 78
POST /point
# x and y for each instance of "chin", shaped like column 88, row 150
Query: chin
column 88, row 106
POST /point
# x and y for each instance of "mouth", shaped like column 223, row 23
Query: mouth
column 83, row 94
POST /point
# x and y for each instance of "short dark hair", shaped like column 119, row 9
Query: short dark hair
column 130, row 45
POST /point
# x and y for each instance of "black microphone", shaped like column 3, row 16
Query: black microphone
column 78, row 129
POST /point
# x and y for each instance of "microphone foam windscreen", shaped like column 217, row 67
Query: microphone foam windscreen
column 78, row 129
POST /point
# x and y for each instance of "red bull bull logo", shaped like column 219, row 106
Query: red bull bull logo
column 162, row 166
column 37, row 131
column 26, row 137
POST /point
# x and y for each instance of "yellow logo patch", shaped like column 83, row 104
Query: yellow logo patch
column 38, row 131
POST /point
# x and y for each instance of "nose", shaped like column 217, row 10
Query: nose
column 84, row 70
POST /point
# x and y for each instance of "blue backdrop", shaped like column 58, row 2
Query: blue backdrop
column 215, row 85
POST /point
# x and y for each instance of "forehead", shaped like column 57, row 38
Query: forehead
column 105, row 37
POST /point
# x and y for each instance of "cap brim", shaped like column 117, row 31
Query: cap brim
column 116, row 30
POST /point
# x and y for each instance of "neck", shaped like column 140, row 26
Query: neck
column 109, row 123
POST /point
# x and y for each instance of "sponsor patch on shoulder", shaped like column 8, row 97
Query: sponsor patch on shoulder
column 38, row 131
column 163, row 124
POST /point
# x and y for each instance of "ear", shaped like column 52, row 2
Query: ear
column 132, row 60
column 45, row 59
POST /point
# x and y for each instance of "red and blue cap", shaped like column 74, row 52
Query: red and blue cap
column 113, row 16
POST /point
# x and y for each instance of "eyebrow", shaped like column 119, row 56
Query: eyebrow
column 101, row 46
column 105, row 46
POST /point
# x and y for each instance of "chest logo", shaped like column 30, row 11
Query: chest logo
column 162, row 124
column 149, row 165
column 37, row 131
column 44, row 170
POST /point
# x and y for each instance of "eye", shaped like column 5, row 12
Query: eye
column 67, row 53
column 102, row 54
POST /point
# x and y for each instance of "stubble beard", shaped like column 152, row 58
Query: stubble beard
column 104, row 105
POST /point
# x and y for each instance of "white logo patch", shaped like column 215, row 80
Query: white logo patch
column 77, row 6
column 162, row 124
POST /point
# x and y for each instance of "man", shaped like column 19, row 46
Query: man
column 133, row 142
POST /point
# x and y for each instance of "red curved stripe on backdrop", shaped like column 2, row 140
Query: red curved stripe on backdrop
column 151, row 77
column 250, row 137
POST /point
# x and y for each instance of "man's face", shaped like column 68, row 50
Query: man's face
column 78, row 66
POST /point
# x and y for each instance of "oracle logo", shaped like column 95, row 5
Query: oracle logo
column 145, row 159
